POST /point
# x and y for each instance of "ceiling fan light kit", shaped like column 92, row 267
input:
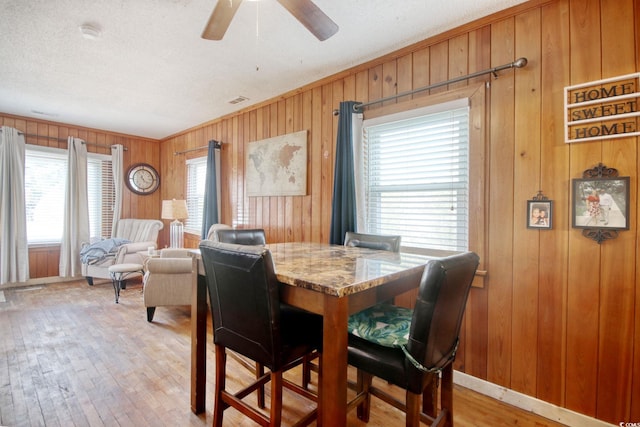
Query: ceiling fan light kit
column 305, row 11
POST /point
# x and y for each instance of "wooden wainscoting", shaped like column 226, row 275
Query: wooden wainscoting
column 556, row 318
column 44, row 261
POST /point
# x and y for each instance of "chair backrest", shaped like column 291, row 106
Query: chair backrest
column 138, row 230
column 437, row 316
column 247, row 236
column 245, row 302
column 373, row 241
column 174, row 253
column 212, row 234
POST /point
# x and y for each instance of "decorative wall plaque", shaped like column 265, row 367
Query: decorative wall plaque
column 602, row 109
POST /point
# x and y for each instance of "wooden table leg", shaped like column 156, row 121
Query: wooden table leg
column 332, row 400
column 198, row 341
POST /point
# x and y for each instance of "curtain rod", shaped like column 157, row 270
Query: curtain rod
column 217, row 146
column 518, row 63
column 64, row 140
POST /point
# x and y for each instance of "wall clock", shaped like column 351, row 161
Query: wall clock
column 142, row 178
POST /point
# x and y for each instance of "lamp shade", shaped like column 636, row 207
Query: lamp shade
column 174, row 209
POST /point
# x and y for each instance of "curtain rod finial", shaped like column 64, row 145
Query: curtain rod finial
column 520, row 62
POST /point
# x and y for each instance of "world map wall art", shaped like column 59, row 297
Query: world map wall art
column 277, row 166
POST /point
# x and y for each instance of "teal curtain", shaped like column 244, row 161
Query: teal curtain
column 210, row 212
column 343, row 212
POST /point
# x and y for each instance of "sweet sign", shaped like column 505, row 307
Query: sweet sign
column 602, row 109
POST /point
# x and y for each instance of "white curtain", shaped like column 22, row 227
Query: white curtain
column 14, row 252
column 76, row 210
column 118, row 181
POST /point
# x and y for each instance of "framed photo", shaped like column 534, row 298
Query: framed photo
column 539, row 214
column 601, row 203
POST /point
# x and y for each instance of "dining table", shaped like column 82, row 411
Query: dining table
column 334, row 281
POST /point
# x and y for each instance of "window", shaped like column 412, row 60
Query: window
column 416, row 176
column 45, row 179
column 45, row 175
column 196, row 178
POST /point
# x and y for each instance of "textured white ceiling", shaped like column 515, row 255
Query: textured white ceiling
column 150, row 74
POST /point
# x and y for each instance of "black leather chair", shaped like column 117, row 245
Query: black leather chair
column 429, row 351
column 247, row 236
column 373, row 241
column 249, row 319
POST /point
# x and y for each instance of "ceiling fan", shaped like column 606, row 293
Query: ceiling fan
column 304, row 11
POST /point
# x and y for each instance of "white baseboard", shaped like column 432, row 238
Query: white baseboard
column 527, row 403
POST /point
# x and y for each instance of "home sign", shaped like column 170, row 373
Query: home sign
column 602, row 109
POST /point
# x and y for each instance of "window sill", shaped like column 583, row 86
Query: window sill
column 48, row 245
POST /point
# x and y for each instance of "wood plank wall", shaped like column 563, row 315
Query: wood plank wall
column 44, row 259
column 556, row 319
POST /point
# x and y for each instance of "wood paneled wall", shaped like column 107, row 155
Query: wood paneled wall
column 44, row 259
column 556, row 319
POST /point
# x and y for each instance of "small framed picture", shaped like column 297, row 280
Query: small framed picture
column 601, row 203
column 539, row 214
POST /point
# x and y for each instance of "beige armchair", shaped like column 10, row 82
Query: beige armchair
column 167, row 281
column 141, row 233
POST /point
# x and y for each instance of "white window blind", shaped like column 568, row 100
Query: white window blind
column 102, row 195
column 196, row 177
column 416, row 173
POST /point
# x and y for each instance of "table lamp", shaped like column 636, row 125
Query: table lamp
column 175, row 210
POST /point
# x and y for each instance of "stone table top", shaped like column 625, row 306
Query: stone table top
column 341, row 270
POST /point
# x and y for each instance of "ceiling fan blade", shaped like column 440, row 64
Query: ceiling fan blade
column 311, row 17
column 220, row 19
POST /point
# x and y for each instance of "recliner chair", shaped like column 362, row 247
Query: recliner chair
column 142, row 233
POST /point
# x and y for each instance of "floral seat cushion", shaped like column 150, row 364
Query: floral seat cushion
column 383, row 324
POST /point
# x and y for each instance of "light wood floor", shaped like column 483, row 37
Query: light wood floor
column 70, row 356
